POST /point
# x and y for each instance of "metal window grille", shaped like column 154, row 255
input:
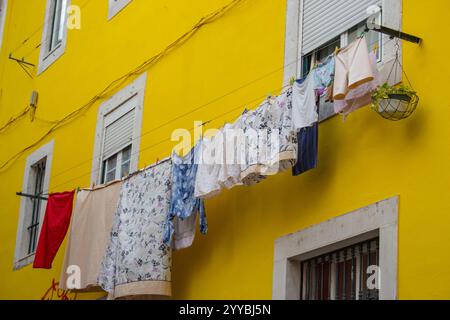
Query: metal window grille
column 340, row 275
column 36, row 203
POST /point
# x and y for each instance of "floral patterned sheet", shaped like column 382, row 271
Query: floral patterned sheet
column 137, row 262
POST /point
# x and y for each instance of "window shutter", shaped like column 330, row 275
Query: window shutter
column 118, row 134
column 324, row 20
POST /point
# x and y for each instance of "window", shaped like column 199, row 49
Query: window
column 115, row 6
column 315, row 28
column 54, row 34
column 336, row 259
column 342, row 274
column 319, row 54
column 32, row 204
column 116, row 149
column 3, row 6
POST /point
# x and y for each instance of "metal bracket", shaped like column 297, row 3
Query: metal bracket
column 393, row 33
column 23, row 64
column 20, row 194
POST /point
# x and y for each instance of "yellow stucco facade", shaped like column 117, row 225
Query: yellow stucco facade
column 361, row 161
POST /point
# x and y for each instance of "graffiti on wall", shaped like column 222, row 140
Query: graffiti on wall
column 55, row 293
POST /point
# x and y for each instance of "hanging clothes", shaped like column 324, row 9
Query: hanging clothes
column 362, row 95
column 91, row 225
column 281, row 141
column 353, row 68
column 137, row 263
column 183, row 205
column 207, row 180
column 304, row 109
column 232, row 138
column 54, row 228
column 253, row 150
column 307, row 124
column 308, row 139
column 324, row 74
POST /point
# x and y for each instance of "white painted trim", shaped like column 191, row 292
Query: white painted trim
column 391, row 17
column 115, row 6
column 46, row 59
column 135, row 90
column 379, row 219
column 3, row 8
column 20, row 259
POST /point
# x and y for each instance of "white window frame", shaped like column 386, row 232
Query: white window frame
column 46, row 57
column 3, row 8
column 115, row 6
column 391, row 17
column 379, row 219
column 21, row 259
column 135, row 90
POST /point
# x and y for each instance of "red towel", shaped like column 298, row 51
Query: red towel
column 54, row 228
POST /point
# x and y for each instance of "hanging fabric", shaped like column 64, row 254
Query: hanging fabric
column 54, row 228
column 361, row 95
column 304, row 112
column 137, row 263
column 91, row 225
column 353, row 68
column 179, row 230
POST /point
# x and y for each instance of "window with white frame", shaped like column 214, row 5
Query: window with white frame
column 353, row 256
column 32, row 204
column 117, row 140
column 54, row 34
column 115, row 6
column 314, row 29
column 3, row 6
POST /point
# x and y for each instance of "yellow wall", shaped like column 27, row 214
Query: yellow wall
column 362, row 160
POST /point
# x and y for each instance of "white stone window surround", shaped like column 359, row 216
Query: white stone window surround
column 46, row 58
column 115, row 6
column 379, row 219
column 20, row 259
column 135, row 90
column 391, row 17
column 3, row 8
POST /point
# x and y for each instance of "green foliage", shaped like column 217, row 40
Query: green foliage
column 385, row 90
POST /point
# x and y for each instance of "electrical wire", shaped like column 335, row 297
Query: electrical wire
column 198, row 108
column 195, row 109
column 114, row 85
column 35, row 32
column 240, row 107
column 12, row 120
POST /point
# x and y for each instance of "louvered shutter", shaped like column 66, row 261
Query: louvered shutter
column 324, row 20
column 118, row 134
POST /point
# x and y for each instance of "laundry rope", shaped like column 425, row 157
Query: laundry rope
column 196, row 109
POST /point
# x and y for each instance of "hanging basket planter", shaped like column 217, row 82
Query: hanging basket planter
column 394, row 102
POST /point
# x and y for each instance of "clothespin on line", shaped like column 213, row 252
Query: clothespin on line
column 376, row 46
column 337, row 50
column 292, row 81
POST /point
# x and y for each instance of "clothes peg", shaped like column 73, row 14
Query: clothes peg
column 376, row 46
column 292, row 81
column 337, row 50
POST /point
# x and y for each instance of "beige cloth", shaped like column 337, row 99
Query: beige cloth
column 353, row 68
column 91, row 225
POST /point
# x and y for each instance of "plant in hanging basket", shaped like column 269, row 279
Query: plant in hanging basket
column 394, row 102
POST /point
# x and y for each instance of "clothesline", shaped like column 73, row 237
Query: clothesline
column 137, row 222
column 191, row 112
